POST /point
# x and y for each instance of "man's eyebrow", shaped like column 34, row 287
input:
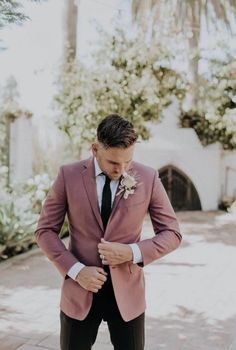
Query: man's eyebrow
column 112, row 161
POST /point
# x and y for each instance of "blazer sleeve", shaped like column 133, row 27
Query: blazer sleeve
column 49, row 226
column 167, row 233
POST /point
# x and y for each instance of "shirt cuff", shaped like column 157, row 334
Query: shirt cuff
column 137, row 255
column 74, row 270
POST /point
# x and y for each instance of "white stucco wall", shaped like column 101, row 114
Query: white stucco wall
column 171, row 145
column 200, row 165
column 228, row 173
column 20, row 149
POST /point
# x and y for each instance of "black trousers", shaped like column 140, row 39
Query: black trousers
column 81, row 335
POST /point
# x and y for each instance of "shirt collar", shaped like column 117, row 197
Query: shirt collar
column 98, row 170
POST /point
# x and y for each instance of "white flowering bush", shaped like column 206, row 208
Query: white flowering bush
column 215, row 118
column 37, row 188
column 3, row 150
column 211, row 130
column 129, row 77
column 20, row 206
column 3, row 176
column 221, row 89
column 232, row 208
column 17, row 223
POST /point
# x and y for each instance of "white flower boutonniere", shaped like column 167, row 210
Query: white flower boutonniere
column 127, row 185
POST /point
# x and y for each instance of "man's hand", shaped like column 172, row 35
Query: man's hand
column 91, row 278
column 113, row 253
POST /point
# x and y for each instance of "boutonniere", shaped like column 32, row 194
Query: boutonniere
column 127, row 185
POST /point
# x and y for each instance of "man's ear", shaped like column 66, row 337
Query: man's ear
column 95, row 148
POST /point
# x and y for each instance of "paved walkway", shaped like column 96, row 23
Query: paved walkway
column 191, row 293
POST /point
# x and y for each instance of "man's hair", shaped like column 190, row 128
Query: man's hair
column 116, row 131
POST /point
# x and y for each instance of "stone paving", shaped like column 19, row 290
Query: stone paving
column 191, row 293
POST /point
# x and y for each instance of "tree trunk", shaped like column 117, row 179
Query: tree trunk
column 194, row 51
column 141, row 11
column 71, row 13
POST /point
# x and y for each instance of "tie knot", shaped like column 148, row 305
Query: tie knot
column 108, row 180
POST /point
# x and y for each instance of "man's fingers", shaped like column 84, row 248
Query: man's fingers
column 101, row 271
column 105, row 245
column 95, row 289
column 102, row 278
column 102, row 246
column 106, row 256
column 103, row 241
column 103, row 251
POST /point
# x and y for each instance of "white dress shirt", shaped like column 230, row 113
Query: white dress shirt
column 100, row 181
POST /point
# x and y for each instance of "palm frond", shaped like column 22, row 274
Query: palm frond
column 11, row 11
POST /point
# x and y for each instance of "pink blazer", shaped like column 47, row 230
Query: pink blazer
column 74, row 193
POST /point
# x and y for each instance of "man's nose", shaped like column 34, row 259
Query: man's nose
column 122, row 168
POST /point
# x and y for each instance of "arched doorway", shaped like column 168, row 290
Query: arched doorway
column 180, row 189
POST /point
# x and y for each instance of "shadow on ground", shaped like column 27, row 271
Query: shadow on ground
column 188, row 330
column 210, row 226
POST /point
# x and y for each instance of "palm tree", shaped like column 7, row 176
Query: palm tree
column 11, row 12
column 188, row 15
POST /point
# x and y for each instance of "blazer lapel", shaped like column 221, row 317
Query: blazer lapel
column 90, row 186
column 115, row 203
column 117, row 198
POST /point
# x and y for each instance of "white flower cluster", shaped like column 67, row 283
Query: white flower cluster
column 17, row 223
column 3, row 175
column 221, row 100
column 129, row 77
column 37, row 188
column 215, row 117
column 19, row 209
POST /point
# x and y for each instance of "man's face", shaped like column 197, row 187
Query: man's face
column 113, row 161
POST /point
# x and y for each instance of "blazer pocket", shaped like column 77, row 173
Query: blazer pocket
column 134, row 268
column 134, row 204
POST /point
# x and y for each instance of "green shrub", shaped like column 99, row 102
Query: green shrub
column 20, row 207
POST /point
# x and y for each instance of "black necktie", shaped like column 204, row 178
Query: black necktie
column 106, row 202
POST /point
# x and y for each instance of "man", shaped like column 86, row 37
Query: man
column 106, row 199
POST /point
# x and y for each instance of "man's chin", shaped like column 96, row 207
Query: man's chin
column 115, row 177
